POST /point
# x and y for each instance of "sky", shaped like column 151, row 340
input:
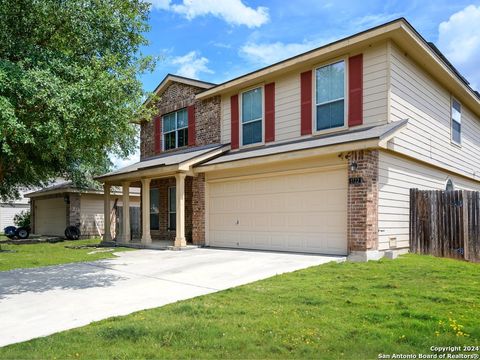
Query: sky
column 217, row 40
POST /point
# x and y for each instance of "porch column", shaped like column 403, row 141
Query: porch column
column 107, row 236
column 126, row 212
column 146, row 237
column 180, row 190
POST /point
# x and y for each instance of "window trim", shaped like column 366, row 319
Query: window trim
column 169, row 225
column 458, row 144
column 175, row 131
column 314, row 97
column 240, row 123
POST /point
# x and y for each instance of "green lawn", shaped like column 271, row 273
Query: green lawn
column 349, row 310
column 35, row 255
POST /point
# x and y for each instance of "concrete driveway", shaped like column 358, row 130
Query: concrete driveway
column 39, row 302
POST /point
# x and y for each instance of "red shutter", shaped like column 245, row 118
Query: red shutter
column 191, row 125
column 306, row 103
column 158, row 134
column 355, row 90
column 270, row 112
column 234, row 121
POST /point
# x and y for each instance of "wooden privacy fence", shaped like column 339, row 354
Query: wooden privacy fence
column 445, row 223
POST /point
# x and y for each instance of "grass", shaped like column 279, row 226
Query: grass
column 332, row 311
column 35, row 255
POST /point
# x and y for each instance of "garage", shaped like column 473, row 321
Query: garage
column 50, row 216
column 297, row 212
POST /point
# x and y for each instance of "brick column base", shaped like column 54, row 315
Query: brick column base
column 363, row 204
column 198, row 209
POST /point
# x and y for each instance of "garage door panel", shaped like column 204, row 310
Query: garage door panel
column 296, row 212
column 50, row 216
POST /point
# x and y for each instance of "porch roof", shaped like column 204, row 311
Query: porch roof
column 372, row 136
column 165, row 164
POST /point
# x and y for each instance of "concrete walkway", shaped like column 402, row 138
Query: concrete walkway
column 41, row 301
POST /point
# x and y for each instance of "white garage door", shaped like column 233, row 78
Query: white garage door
column 300, row 212
column 50, row 216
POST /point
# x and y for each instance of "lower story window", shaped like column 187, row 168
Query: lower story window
column 154, row 210
column 172, row 208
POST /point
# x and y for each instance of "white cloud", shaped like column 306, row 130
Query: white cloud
column 269, row 53
column 160, row 4
column 459, row 40
column 234, row 12
column 191, row 65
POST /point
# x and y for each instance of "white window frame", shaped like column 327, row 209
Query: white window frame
column 451, row 122
column 314, row 97
column 168, row 208
column 175, row 130
column 240, row 115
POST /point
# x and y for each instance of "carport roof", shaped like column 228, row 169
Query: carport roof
column 380, row 132
column 69, row 187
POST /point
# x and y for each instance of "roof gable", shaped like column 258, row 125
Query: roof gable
column 171, row 78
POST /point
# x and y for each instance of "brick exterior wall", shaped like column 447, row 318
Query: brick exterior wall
column 164, row 233
column 198, row 209
column 207, row 121
column 176, row 97
column 363, row 202
column 73, row 210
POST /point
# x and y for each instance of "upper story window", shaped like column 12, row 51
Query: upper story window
column 330, row 96
column 456, row 121
column 175, row 129
column 252, row 116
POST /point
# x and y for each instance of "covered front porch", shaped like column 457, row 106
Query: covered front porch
column 172, row 201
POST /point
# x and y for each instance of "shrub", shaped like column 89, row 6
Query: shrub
column 22, row 219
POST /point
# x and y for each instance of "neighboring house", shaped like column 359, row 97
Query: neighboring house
column 313, row 154
column 8, row 210
column 62, row 204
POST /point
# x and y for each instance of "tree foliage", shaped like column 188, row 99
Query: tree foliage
column 68, row 87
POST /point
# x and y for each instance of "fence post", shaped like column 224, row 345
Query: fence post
column 465, row 225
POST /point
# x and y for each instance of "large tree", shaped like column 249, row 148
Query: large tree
column 69, row 87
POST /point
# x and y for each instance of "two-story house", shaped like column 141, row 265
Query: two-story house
column 313, row 154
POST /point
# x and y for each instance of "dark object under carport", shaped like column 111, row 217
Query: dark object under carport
column 72, row 233
column 13, row 232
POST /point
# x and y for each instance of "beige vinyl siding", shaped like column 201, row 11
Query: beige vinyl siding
column 287, row 97
column 375, row 94
column 225, row 122
column 91, row 212
column 287, row 107
column 397, row 175
column 417, row 96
